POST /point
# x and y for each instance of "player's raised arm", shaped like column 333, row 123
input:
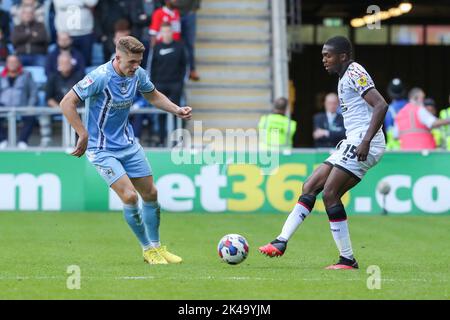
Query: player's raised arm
column 380, row 107
column 160, row 101
column 69, row 109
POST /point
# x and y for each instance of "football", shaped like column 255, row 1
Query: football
column 233, row 248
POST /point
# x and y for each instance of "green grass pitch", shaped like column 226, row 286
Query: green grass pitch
column 412, row 252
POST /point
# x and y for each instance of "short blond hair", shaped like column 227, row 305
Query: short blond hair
column 130, row 44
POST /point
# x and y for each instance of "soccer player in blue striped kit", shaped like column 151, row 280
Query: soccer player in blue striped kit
column 108, row 139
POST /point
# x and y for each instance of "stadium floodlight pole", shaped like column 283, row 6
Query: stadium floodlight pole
column 280, row 54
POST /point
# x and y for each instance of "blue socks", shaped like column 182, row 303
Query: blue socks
column 150, row 216
column 134, row 220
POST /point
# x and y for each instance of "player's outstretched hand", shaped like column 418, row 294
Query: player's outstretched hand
column 363, row 150
column 80, row 149
column 184, row 113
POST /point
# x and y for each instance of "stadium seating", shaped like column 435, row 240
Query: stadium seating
column 39, row 76
column 97, row 54
column 89, row 69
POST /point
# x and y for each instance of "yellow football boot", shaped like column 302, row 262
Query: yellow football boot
column 169, row 257
column 152, row 256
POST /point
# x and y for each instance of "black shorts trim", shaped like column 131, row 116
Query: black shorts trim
column 348, row 172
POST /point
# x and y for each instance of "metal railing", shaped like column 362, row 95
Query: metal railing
column 68, row 133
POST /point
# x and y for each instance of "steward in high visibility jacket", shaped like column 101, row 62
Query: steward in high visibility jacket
column 396, row 92
column 415, row 122
column 441, row 135
column 276, row 129
column 413, row 132
column 445, row 130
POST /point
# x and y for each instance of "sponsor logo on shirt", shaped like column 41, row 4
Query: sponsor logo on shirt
column 362, row 81
column 86, row 82
column 163, row 52
column 121, row 105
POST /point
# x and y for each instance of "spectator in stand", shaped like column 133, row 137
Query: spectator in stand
column 76, row 18
column 30, row 39
column 4, row 51
column 167, row 14
column 188, row 10
column 140, row 17
column 50, row 20
column 58, row 85
column 64, row 44
column 445, row 131
column 415, row 123
column 149, row 8
column 329, row 126
column 17, row 89
column 109, row 12
column 430, row 105
column 4, row 35
column 168, row 69
column 4, row 25
column 397, row 94
column 122, row 29
column 39, row 11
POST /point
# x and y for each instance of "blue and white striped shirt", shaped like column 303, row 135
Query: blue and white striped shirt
column 109, row 97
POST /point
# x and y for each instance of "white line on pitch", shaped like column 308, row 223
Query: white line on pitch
column 243, row 278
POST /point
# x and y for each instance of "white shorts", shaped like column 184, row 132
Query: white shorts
column 344, row 157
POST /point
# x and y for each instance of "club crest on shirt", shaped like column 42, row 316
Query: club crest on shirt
column 123, row 88
column 106, row 171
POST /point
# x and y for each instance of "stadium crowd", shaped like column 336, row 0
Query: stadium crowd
column 46, row 46
column 411, row 123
